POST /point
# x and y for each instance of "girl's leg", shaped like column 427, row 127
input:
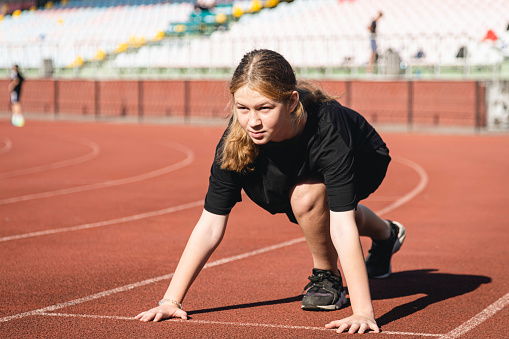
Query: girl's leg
column 325, row 290
column 309, row 205
column 371, row 225
column 16, row 108
column 387, row 239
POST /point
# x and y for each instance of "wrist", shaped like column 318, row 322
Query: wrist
column 171, row 302
column 364, row 312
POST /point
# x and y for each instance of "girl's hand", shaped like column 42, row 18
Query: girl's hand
column 355, row 323
column 165, row 311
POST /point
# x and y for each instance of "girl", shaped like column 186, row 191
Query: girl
column 295, row 150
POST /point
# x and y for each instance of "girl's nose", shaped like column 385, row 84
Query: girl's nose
column 254, row 119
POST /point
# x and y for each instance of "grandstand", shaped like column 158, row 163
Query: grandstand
column 119, row 38
column 441, row 62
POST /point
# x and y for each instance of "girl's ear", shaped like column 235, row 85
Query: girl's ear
column 293, row 101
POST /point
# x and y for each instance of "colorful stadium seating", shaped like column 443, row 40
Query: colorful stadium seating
column 119, row 34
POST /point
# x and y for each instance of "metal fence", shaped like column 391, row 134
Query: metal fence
column 411, row 103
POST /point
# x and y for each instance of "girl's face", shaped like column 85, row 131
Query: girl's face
column 262, row 118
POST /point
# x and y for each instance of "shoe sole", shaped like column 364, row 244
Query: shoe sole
column 341, row 302
column 395, row 248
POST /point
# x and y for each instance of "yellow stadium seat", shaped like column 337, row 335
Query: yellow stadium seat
column 237, row 12
column 271, row 3
column 221, row 18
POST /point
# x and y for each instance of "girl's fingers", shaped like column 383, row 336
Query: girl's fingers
column 353, row 328
column 158, row 316
column 342, row 327
column 363, row 328
column 375, row 328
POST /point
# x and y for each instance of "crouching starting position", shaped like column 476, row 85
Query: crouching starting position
column 294, row 149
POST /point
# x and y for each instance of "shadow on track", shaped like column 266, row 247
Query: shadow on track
column 436, row 287
column 248, row 305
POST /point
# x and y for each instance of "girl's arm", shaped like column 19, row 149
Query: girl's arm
column 204, row 239
column 345, row 236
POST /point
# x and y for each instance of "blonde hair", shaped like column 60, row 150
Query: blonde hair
column 270, row 74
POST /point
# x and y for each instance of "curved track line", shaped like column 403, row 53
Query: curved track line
column 105, row 223
column 396, row 204
column 423, row 182
column 148, row 175
column 74, row 161
column 8, row 145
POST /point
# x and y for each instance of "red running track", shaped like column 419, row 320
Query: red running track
column 94, row 217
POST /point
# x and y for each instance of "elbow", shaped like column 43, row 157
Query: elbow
column 212, row 228
column 215, row 235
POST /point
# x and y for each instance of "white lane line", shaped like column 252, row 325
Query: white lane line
column 7, row 145
column 148, row 175
column 145, row 282
column 411, row 334
column 423, row 182
column 92, row 316
column 478, row 319
column 226, row 323
column 104, row 223
column 70, row 162
column 391, row 207
column 397, row 203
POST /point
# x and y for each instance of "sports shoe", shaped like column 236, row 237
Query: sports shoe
column 378, row 261
column 324, row 292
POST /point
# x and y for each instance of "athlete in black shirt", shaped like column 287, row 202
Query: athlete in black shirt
column 335, row 141
column 14, row 87
column 293, row 149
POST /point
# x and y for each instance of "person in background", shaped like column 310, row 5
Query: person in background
column 14, row 88
column 293, row 149
column 374, row 52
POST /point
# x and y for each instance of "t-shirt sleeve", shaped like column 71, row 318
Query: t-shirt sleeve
column 336, row 163
column 338, row 175
column 224, row 190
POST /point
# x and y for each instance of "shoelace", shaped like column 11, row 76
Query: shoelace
column 314, row 279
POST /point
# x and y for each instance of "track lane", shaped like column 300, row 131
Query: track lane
column 436, row 211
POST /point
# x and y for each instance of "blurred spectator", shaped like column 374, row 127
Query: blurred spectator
column 15, row 89
column 490, row 36
column 374, row 53
column 462, row 52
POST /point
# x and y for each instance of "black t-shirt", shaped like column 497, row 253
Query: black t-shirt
column 334, row 139
column 373, row 27
column 20, row 78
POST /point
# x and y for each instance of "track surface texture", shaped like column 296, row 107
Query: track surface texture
column 94, row 217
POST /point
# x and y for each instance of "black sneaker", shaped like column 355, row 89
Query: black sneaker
column 378, row 262
column 325, row 292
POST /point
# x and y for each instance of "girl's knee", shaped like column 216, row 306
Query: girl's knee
column 307, row 198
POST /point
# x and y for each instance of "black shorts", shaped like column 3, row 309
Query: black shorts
column 370, row 171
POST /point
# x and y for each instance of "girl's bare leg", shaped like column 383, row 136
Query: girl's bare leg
column 309, row 205
column 370, row 224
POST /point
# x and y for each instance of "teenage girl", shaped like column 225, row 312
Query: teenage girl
column 293, row 149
